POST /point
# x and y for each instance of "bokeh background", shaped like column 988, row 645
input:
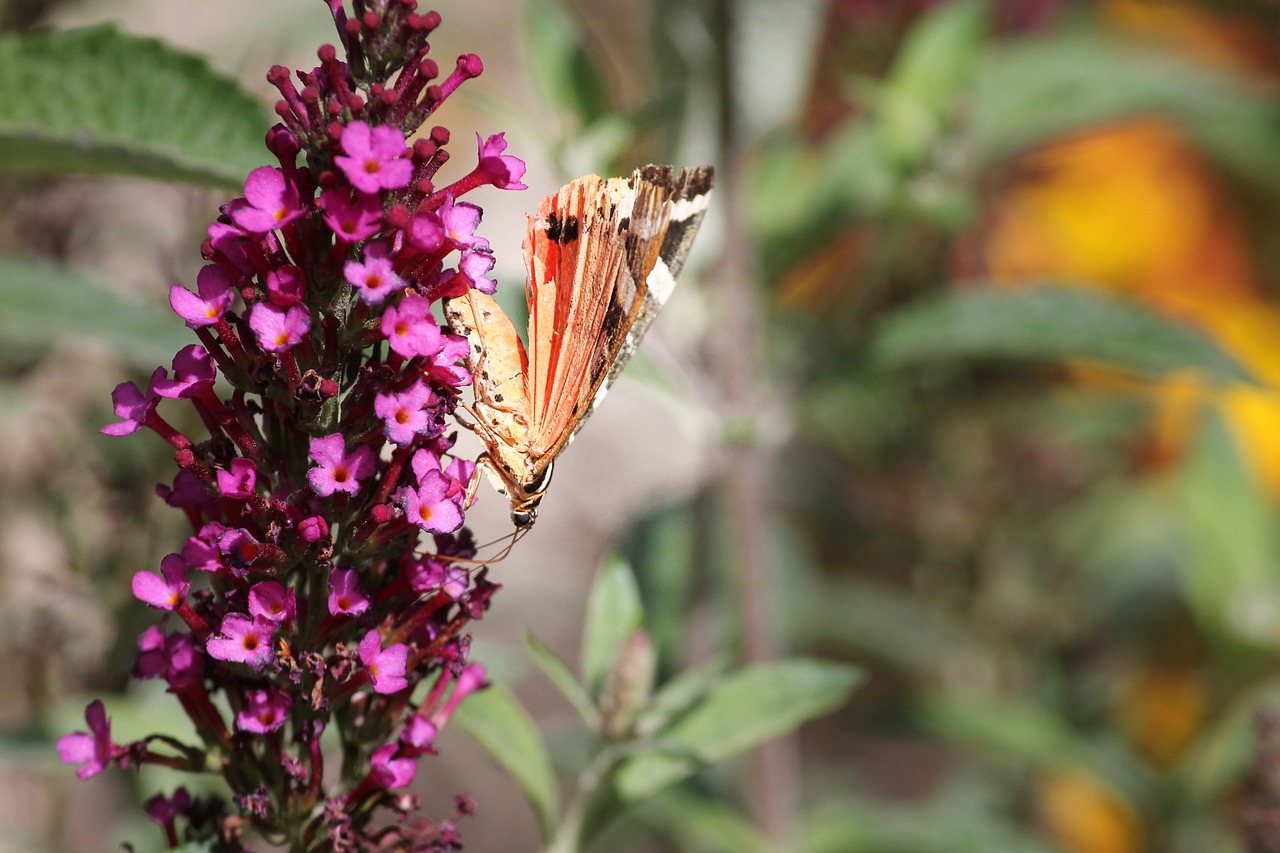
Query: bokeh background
column 1052, row 545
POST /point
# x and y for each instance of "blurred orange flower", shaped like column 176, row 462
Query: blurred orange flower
column 1085, row 815
column 1133, row 208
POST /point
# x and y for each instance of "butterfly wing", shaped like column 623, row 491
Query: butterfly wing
column 613, row 243
column 498, row 365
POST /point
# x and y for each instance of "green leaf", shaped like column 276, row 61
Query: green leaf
column 701, row 823
column 746, row 709
column 559, row 674
column 1033, row 89
column 560, row 64
column 1006, row 728
column 495, row 719
column 98, row 101
column 1230, row 546
column 1046, row 324
column 678, row 695
column 614, row 613
column 940, row 52
column 41, row 301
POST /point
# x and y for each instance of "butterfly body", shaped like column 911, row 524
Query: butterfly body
column 602, row 256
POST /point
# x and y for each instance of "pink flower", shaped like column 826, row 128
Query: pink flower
column 436, row 504
column 243, row 640
column 265, row 711
column 215, row 297
column 344, row 594
column 94, row 751
column 392, row 771
column 132, row 406
column 353, row 221
column 286, row 285
column 460, row 220
column 448, row 366
column 313, row 528
column 475, row 266
column 337, row 470
column 270, row 202
column 407, row 414
column 426, row 232
column 164, row 810
column 240, row 480
column 278, row 329
column 411, row 329
column 418, row 734
column 269, row 600
column 504, row 171
column 193, row 374
column 374, row 277
column 386, row 666
column 374, row 157
column 175, row 658
column 166, row 590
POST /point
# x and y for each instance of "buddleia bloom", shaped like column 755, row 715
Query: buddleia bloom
column 325, row 574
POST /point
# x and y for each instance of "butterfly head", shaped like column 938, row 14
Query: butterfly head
column 525, row 498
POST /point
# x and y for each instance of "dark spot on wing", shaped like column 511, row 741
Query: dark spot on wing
column 553, row 228
column 497, row 398
column 569, row 231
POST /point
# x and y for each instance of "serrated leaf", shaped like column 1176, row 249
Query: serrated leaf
column 1047, row 324
column 559, row 674
column 40, row 302
column 746, row 709
column 496, row 720
column 98, row 101
column 614, row 613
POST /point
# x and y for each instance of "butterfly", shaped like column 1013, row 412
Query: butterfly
column 602, row 257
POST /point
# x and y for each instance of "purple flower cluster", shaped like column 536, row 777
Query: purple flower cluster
column 326, row 574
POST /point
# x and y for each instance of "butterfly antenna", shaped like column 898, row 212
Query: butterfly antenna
column 511, row 540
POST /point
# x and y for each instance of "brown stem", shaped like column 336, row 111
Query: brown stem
column 773, row 774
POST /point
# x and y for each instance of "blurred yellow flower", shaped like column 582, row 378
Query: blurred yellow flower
column 1161, row 709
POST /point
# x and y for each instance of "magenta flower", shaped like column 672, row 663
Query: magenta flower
column 502, row 170
column 448, row 366
column 132, row 406
column 337, row 470
column 405, row 415
column 279, row 329
column 92, row 751
column 476, row 266
column 193, row 374
column 313, row 528
column 374, row 277
column 269, row 600
column 175, row 658
column 430, row 576
column 215, row 296
column 345, row 597
column 430, row 506
column 264, row 711
column 243, row 640
column 270, row 201
column 460, row 220
column 202, row 555
column 286, row 286
column 426, row 232
column 166, row 590
column 386, row 667
column 391, row 770
column 352, row 221
column 411, row 329
column 419, row 733
column 239, row 479
column 374, row 157
column 164, row 810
